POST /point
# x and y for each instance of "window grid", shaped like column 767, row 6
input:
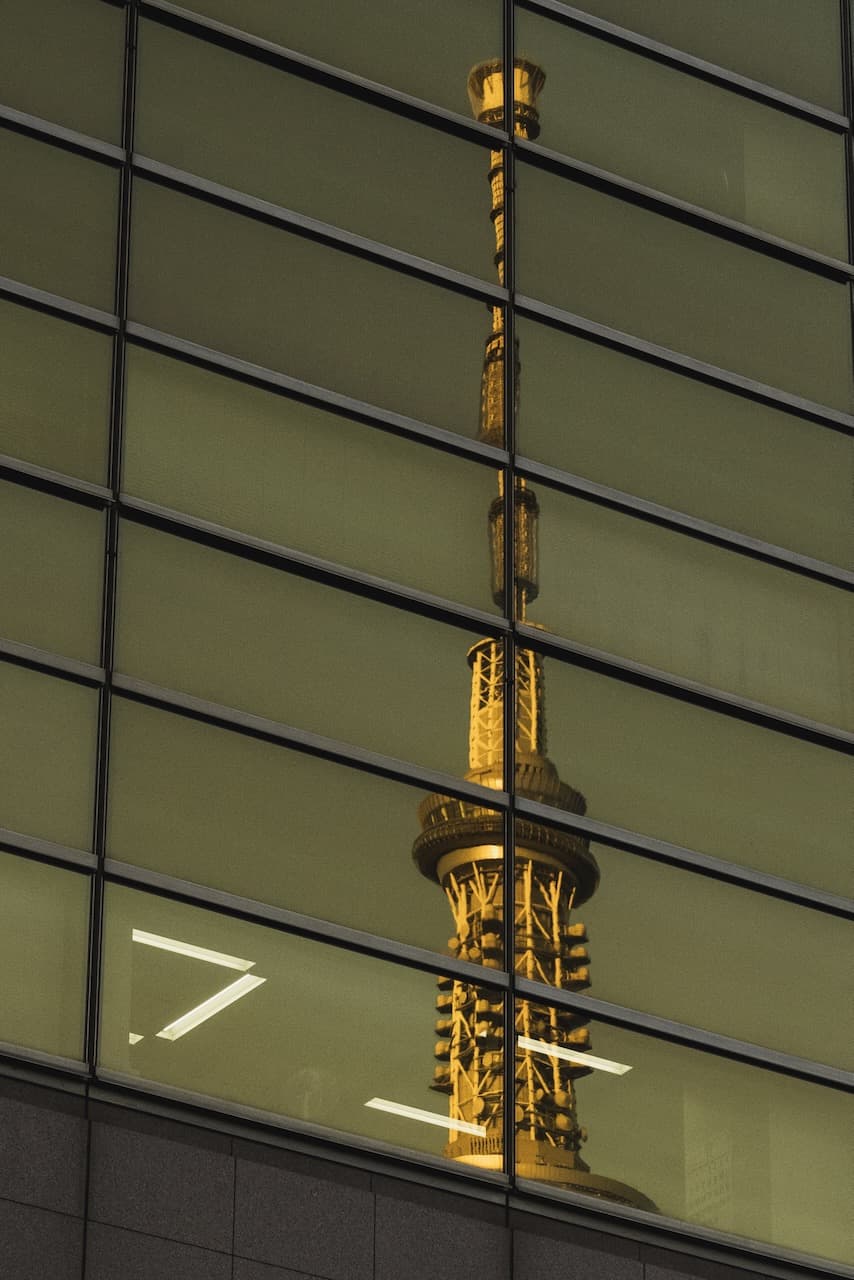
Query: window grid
column 98, row 865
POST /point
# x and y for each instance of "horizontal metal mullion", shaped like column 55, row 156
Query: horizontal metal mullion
column 56, row 664
column 342, row 81
column 682, row 211
column 691, row 860
column 310, row 743
column 324, row 233
column 686, row 690
column 41, row 300
column 688, row 63
column 319, row 397
column 57, row 482
column 680, row 522
column 570, row 322
column 692, row 1037
column 46, row 850
column 304, row 926
column 46, row 1061
column 69, row 139
column 312, row 567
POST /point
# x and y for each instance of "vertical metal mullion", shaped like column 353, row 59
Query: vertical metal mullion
column 509, row 513
column 847, row 53
column 111, row 548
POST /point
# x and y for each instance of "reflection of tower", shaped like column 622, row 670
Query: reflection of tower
column 460, row 844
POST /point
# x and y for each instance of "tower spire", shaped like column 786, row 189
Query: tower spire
column 461, row 843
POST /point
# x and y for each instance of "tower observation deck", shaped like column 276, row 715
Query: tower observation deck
column 461, row 843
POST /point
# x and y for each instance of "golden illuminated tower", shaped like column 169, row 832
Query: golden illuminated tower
column 461, row 843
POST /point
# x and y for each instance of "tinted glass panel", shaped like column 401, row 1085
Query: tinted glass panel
column 683, row 605
column 802, row 57
column 303, row 478
column 710, row 1141
column 44, row 943
column 700, row 779
column 54, row 392
column 222, row 809
column 684, row 288
column 58, row 220
column 336, row 159
column 247, row 635
column 312, row 1032
column 255, row 291
column 688, row 137
column 660, row 935
column 63, row 60
column 50, row 572
column 424, row 47
column 601, row 414
column 47, row 756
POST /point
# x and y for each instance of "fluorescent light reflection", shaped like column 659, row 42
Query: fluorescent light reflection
column 208, row 1008
column 187, row 949
column 426, row 1117
column 133, row 1038
column 573, row 1056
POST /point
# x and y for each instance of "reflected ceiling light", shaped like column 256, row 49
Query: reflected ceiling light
column 208, row 1008
column 427, row 1117
column 133, row 1038
column 187, row 949
column 573, row 1056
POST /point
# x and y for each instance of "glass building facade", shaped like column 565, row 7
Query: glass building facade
column 356, row 431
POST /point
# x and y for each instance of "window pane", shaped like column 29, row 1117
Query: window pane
column 649, row 431
column 47, row 756
column 710, row 1141
column 63, row 60
column 257, row 292
column 786, row 43
column 44, row 943
column 54, row 392
column 684, row 288
column 337, row 159
column 51, row 572
column 250, row 817
column 314, row 1032
column 686, row 606
column 273, row 467
column 688, row 137
column 424, row 47
column 677, row 944
column 701, row 779
column 243, row 634
column 58, row 220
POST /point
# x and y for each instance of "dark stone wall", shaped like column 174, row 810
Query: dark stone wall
column 94, row 1191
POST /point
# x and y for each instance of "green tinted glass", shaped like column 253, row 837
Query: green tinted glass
column 218, row 808
column 790, row 44
column 682, row 605
column 257, row 292
column 51, row 572
column 609, row 417
column 247, row 635
column 706, row 1140
column 205, row 444
column 54, row 392
column 334, row 158
column 251, row 1015
column 47, row 756
column 423, row 47
column 660, row 935
column 64, row 60
column 58, row 220
column 700, row 779
column 688, row 137
column 44, row 944
column 684, row 288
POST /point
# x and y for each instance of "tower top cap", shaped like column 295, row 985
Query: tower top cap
column 486, row 93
